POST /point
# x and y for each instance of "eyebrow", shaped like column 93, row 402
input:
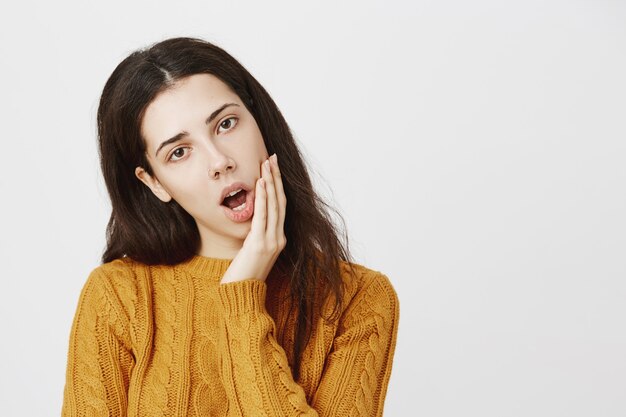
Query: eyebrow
column 182, row 134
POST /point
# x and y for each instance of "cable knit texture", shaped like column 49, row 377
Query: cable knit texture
column 174, row 341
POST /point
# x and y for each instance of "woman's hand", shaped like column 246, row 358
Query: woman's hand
column 266, row 238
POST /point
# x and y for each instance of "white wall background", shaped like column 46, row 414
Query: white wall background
column 476, row 150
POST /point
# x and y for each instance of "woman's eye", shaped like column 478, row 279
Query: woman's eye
column 228, row 123
column 178, row 155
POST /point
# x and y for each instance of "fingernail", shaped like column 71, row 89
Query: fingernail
column 267, row 163
column 275, row 159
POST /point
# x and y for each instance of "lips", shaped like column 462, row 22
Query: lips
column 243, row 215
column 233, row 187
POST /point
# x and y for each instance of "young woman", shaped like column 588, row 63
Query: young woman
column 224, row 288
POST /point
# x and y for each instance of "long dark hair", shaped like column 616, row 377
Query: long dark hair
column 147, row 230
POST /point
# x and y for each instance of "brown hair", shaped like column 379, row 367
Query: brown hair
column 147, row 230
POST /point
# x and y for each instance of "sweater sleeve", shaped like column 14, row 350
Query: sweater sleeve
column 99, row 359
column 257, row 376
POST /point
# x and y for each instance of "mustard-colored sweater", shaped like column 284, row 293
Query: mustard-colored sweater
column 173, row 341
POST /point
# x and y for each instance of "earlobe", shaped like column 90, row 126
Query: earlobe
column 154, row 185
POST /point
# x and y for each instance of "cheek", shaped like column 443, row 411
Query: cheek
column 261, row 153
column 256, row 142
column 188, row 191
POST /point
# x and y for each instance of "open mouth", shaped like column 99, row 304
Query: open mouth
column 236, row 201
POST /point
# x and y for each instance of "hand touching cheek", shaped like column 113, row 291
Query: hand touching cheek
column 267, row 238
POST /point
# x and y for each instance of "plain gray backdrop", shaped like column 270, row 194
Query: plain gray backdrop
column 476, row 149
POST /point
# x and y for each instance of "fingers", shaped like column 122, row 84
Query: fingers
column 272, row 204
column 269, row 206
column 280, row 195
column 257, row 228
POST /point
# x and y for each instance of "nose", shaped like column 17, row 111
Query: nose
column 220, row 164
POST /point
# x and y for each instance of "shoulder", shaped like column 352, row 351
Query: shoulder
column 368, row 291
column 121, row 283
column 119, row 267
column 120, row 272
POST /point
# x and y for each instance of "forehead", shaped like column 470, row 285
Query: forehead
column 184, row 105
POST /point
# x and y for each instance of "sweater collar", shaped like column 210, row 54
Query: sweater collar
column 206, row 267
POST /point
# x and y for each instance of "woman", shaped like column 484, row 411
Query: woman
column 224, row 289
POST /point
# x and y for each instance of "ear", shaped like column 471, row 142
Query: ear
column 153, row 184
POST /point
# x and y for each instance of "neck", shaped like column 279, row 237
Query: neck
column 218, row 246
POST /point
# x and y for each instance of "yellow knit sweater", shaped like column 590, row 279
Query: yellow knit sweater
column 173, row 341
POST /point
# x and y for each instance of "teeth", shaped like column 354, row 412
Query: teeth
column 233, row 193
column 239, row 208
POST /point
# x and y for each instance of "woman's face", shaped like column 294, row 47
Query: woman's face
column 207, row 157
